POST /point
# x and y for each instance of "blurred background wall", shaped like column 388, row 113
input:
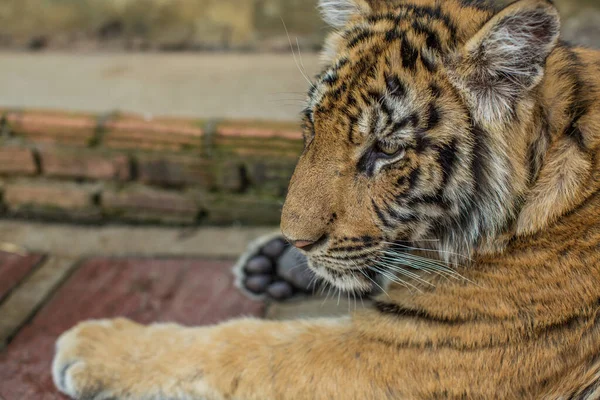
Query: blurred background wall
column 86, row 85
column 198, row 24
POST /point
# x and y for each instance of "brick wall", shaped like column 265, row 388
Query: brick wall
column 202, row 24
column 124, row 168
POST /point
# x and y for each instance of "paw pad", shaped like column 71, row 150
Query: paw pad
column 272, row 268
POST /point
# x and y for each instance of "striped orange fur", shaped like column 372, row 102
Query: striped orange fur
column 452, row 154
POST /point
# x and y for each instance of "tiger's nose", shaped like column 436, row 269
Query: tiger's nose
column 307, row 245
column 303, row 244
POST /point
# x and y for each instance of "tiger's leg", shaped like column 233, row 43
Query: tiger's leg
column 244, row 359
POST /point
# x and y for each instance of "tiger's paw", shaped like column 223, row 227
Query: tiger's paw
column 118, row 359
column 271, row 268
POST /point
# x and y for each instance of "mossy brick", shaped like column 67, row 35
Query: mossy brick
column 84, row 164
column 145, row 204
column 17, row 161
column 247, row 209
column 52, row 200
column 175, row 170
column 230, row 176
column 269, row 176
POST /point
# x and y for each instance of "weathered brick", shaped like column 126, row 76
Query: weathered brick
column 17, row 161
column 262, row 139
column 175, row 170
column 231, row 176
column 48, row 127
column 52, row 199
column 270, row 176
column 260, row 129
column 226, row 209
column 133, row 132
column 147, row 204
column 84, row 165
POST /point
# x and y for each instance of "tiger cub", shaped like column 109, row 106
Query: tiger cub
column 452, row 149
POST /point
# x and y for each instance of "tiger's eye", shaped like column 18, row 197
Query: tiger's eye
column 389, row 149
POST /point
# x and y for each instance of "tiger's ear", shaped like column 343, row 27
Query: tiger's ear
column 506, row 59
column 338, row 12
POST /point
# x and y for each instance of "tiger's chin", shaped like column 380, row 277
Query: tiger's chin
column 361, row 281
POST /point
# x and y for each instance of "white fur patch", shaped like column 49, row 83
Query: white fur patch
column 337, row 12
column 506, row 61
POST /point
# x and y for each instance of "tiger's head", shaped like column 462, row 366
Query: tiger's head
column 417, row 132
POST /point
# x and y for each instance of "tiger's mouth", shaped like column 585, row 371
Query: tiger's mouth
column 371, row 271
column 353, row 279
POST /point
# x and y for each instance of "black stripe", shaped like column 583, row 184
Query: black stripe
column 435, row 199
column 423, row 141
column 351, row 124
column 337, row 93
column 414, row 177
column 404, row 11
column 481, row 159
column 402, row 312
column 398, row 126
column 393, row 35
column 483, row 5
column 367, row 240
column 397, row 217
column 447, row 157
column 438, row 14
column 433, row 118
column 428, row 64
column 535, row 151
column 432, row 40
column 580, row 105
column 436, row 92
column 330, row 79
column 352, row 257
column 409, row 55
column 401, row 181
column 394, row 86
column 357, row 37
column 381, row 17
column 347, row 249
column 381, row 216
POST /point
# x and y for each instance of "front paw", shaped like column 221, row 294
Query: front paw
column 119, row 359
column 92, row 360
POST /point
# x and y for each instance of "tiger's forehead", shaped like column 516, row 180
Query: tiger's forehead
column 383, row 60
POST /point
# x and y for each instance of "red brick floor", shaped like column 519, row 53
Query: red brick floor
column 186, row 291
column 13, row 268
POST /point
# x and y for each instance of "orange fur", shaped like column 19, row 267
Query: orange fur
column 516, row 192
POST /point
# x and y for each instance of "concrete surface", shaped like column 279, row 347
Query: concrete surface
column 191, row 85
column 15, row 268
column 31, row 294
column 174, row 280
column 189, row 292
column 82, row 241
